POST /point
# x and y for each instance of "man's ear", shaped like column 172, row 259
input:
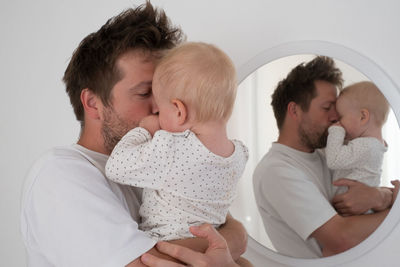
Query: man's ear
column 293, row 110
column 90, row 103
column 364, row 116
column 181, row 111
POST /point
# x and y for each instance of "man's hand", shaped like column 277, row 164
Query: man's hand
column 235, row 235
column 395, row 190
column 359, row 198
column 217, row 253
column 150, row 123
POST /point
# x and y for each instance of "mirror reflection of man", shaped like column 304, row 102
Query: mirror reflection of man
column 71, row 214
column 292, row 183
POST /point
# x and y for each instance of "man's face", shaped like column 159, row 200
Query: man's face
column 313, row 129
column 131, row 98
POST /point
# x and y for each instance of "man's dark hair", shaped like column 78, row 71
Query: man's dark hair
column 93, row 63
column 299, row 85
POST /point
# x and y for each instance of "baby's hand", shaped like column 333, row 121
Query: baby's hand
column 150, row 123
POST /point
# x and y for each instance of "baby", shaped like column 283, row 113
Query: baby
column 182, row 157
column 355, row 145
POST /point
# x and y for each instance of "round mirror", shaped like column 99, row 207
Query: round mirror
column 254, row 123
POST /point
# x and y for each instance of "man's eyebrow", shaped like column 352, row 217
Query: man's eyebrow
column 330, row 102
column 141, row 85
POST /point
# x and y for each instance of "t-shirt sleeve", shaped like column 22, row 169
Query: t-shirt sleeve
column 75, row 218
column 296, row 199
column 141, row 161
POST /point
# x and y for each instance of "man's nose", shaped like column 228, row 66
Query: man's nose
column 334, row 116
column 154, row 107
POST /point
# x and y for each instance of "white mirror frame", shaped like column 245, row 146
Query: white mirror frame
column 261, row 255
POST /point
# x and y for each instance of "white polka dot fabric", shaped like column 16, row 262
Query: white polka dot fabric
column 184, row 183
column 360, row 159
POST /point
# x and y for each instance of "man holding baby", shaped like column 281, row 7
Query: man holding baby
column 293, row 184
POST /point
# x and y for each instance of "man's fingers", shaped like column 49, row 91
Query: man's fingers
column 344, row 212
column 347, row 211
column 396, row 184
column 153, row 261
column 340, row 205
column 344, row 182
column 178, row 252
column 207, row 231
column 338, row 199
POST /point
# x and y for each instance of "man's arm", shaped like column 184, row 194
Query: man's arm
column 235, row 235
column 154, row 252
column 360, row 198
column 217, row 253
column 342, row 233
column 232, row 231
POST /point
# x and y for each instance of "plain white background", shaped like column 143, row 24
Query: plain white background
column 38, row 38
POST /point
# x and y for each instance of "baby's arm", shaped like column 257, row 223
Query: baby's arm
column 340, row 156
column 151, row 124
column 136, row 160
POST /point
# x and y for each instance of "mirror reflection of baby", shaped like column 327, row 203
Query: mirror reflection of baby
column 355, row 146
column 182, row 157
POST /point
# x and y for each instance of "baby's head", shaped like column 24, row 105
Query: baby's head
column 194, row 83
column 362, row 108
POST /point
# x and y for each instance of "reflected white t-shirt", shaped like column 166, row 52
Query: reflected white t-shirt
column 292, row 190
column 73, row 216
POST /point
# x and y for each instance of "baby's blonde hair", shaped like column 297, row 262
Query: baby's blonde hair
column 202, row 76
column 367, row 95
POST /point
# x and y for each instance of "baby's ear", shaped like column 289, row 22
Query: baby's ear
column 180, row 111
column 364, row 116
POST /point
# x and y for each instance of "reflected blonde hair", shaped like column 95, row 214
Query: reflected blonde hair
column 366, row 95
column 202, row 76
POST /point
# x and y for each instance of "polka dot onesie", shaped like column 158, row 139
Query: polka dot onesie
column 184, row 183
column 360, row 159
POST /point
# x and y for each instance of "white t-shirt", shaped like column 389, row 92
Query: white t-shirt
column 184, row 183
column 292, row 190
column 73, row 216
column 360, row 159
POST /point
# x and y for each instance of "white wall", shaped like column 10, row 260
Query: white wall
column 38, row 38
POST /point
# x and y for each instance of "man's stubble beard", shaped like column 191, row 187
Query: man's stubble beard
column 113, row 128
column 313, row 138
